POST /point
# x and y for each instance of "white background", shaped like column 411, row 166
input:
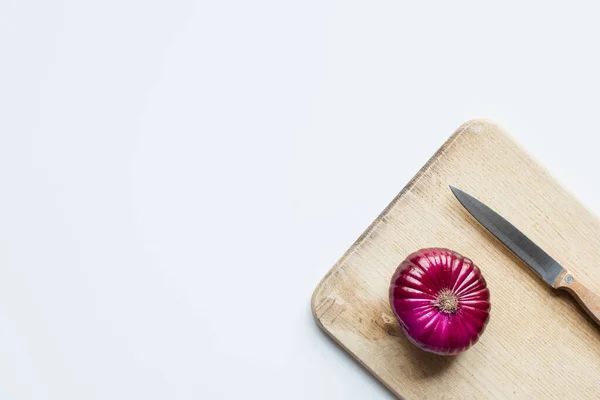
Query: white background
column 177, row 176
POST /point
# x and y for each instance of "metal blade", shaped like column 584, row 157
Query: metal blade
column 511, row 237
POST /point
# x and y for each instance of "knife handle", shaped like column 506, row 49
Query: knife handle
column 587, row 298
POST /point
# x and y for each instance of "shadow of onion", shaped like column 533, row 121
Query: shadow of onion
column 425, row 364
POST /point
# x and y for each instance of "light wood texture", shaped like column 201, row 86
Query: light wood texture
column 539, row 343
column 588, row 299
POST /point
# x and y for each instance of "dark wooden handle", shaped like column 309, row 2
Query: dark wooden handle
column 588, row 299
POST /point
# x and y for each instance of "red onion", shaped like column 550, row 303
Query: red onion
column 441, row 300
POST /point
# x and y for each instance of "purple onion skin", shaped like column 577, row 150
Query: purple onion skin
column 441, row 300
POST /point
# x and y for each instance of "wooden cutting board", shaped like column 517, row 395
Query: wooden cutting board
column 538, row 344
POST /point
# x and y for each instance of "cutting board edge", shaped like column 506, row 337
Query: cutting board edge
column 319, row 290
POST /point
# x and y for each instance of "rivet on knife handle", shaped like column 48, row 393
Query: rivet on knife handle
column 587, row 298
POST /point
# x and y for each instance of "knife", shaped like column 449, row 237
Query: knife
column 541, row 262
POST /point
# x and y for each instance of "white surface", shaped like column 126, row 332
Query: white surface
column 178, row 176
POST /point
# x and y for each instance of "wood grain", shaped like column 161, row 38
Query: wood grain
column 588, row 299
column 539, row 344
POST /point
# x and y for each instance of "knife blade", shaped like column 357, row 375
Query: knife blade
column 535, row 257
